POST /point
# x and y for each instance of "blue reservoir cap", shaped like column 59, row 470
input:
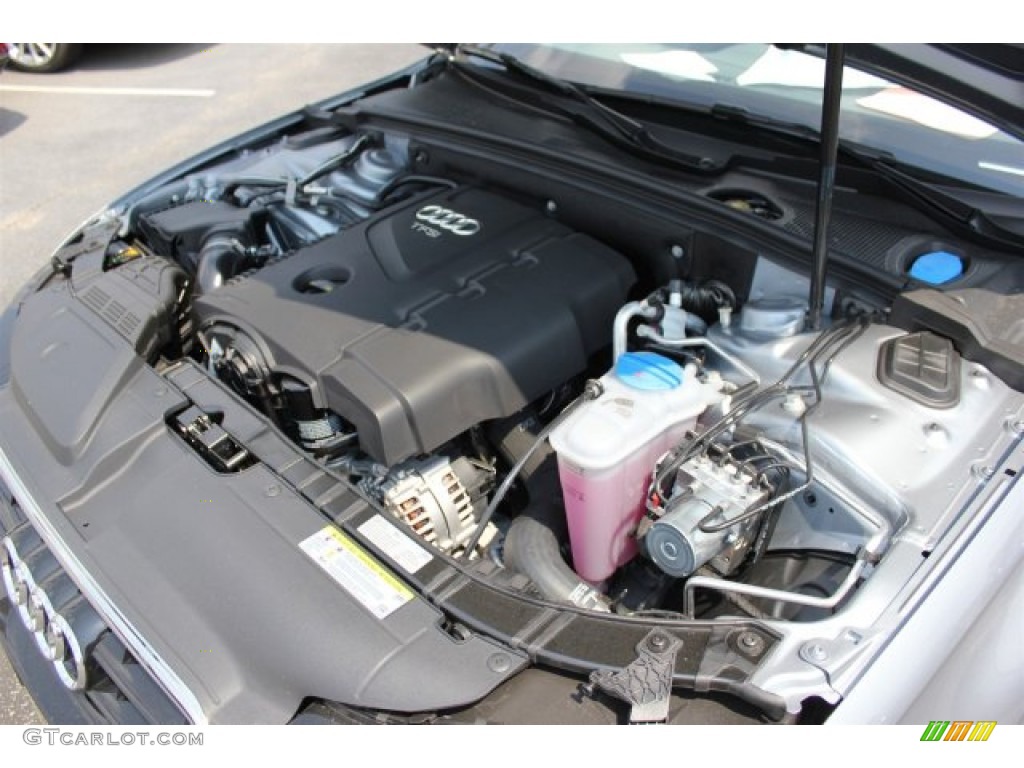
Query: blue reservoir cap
column 648, row 371
column 937, row 267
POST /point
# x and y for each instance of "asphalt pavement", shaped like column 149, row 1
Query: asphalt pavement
column 72, row 141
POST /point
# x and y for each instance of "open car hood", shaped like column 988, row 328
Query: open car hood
column 985, row 80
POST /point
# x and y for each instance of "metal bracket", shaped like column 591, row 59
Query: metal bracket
column 208, row 438
column 645, row 683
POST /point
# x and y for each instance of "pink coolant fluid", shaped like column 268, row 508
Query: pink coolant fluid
column 608, row 448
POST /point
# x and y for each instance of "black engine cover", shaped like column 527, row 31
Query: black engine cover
column 444, row 312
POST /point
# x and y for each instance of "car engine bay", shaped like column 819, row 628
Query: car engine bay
column 406, row 344
column 650, row 434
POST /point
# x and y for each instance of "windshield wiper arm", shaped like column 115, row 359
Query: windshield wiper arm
column 575, row 103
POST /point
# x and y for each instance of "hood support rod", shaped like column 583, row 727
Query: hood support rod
column 826, row 179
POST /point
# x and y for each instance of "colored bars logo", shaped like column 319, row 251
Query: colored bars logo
column 958, row 730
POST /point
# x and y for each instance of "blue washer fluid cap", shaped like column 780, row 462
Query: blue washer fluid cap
column 648, row 371
column 937, row 267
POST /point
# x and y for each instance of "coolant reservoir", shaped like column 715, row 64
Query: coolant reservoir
column 607, row 450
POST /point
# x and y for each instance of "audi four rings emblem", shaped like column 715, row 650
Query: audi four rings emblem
column 52, row 632
column 446, row 219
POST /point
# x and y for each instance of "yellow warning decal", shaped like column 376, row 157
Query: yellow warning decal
column 351, row 566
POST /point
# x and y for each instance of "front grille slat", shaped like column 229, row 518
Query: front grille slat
column 134, row 682
column 10, row 515
column 114, row 706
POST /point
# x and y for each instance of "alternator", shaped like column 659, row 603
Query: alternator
column 432, row 499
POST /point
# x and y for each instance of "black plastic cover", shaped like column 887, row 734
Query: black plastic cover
column 139, row 299
column 178, row 232
column 67, row 367
column 923, row 367
column 986, row 327
column 419, row 323
column 67, row 363
column 209, row 568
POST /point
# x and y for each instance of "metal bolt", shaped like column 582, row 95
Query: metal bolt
column 584, row 691
column 273, row 490
column 678, row 251
column 657, row 642
column 751, row 642
column 1016, row 426
column 551, row 207
column 983, row 472
column 816, row 652
column 499, row 663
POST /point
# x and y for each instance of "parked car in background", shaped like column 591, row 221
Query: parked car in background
column 43, row 57
column 541, row 384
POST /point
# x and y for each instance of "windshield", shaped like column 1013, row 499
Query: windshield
column 787, row 85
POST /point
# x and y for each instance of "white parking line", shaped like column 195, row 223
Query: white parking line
column 203, row 93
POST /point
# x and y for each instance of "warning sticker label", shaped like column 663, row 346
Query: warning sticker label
column 354, row 568
column 394, row 544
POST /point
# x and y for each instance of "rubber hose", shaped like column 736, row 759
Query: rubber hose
column 219, row 261
column 533, row 548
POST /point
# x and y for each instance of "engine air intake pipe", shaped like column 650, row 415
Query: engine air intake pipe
column 220, row 259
